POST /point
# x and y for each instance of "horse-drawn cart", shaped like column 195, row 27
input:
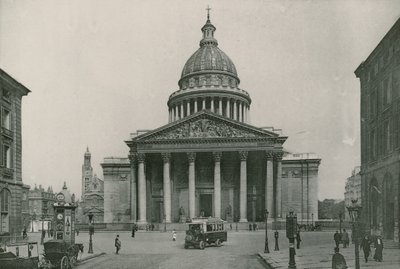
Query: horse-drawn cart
column 60, row 254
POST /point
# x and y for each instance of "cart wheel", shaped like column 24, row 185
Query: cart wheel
column 202, row 245
column 64, row 264
column 218, row 243
column 72, row 261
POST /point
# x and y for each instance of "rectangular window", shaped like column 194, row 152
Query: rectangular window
column 7, row 156
column 6, row 121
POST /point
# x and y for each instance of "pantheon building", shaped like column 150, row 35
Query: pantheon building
column 208, row 160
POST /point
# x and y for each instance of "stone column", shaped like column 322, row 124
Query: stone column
column 195, row 106
column 142, row 189
column 182, row 112
column 240, row 112
column 217, row 184
column 235, row 117
column 220, row 106
column 167, row 186
column 243, row 185
column 278, row 201
column 192, row 185
column 228, row 109
column 212, row 104
column 244, row 113
column 176, row 113
column 188, row 107
column 204, row 104
column 133, row 160
column 269, row 183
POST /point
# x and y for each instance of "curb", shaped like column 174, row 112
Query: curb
column 91, row 257
column 268, row 263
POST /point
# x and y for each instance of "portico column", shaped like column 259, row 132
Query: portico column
column 234, row 110
column 167, row 186
column 278, row 202
column 142, row 189
column 188, row 108
column 212, row 104
column 133, row 160
column 243, row 185
column 195, row 105
column 269, row 180
column 228, row 109
column 192, row 190
column 220, row 106
column 217, row 184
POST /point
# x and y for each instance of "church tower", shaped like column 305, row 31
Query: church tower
column 87, row 173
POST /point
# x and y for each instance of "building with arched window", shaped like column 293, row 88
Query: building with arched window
column 13, row 193
column 209, row 160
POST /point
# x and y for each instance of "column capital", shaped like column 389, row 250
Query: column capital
column 166, row 156
column 243, row 155
column 278, row 155
column 269, row 155
column 141, row 157
column 133, row 157
column 191, row 156
column 217, row 156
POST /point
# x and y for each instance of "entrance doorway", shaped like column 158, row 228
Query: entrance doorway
column 206, row 205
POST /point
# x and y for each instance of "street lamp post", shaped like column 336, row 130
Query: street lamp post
column 266, row 249
column 312, row 221
column 41, row 236
column 165, row 223
column 354, row 212
column 91, row 232
column 291, row 229
column 340, row 222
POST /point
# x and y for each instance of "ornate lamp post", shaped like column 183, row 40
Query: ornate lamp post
column 354, row 212
column 291, row 229
column 91, row 232
column 266, row 249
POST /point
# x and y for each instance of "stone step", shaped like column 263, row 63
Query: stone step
column 390, row 244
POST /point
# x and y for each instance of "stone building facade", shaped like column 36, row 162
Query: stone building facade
column 209, row 160
column 352, row 189
column 92, row 199
column 41, row 210
column 379, row 78
column 12, row 189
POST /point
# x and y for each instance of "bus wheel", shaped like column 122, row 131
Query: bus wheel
column 201, row 245
column 218, row 243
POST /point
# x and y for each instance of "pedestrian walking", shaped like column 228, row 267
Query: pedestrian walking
column 43, row 233
column 117, row 244
column 338, row 260
column 24, row 233
column 298, row 239
column 250, row 226
column 254, row 227
column 230, row 225
column 345, row 238
column 378, row 245
column 173, row 235
column 366, row 246
column 77, row 230
column 133, row 230
column 337, row 238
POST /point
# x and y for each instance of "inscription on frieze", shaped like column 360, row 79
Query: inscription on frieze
column 205, row 128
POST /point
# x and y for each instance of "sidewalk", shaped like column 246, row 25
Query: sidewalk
column 321, row 257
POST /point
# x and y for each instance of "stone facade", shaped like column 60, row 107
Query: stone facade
column 208, row 160
column 92, row 199
column 41, row 210
column 13, row 193
column 379, row 77
column 352, row 190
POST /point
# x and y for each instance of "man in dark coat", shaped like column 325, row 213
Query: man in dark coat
column 133, row 230
column 338, row 261
column 117, row 244
column 378, row 244
column 298, row 239
column 366, row 246
column 337, row 238
column 345, row 238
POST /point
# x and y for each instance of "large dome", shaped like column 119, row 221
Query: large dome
column 208, row 58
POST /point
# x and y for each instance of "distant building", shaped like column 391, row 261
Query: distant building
column 379, row 77
column 352, row 189
column 12, row 189
column 41, row 208
column 92, row 199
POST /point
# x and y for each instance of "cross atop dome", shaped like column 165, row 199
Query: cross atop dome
column 208, row 13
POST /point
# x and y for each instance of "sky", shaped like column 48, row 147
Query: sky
column 100, row 70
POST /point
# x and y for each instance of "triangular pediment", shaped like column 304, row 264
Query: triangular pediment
column 205, row 125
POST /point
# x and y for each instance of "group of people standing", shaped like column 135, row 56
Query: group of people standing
column 366, row 247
